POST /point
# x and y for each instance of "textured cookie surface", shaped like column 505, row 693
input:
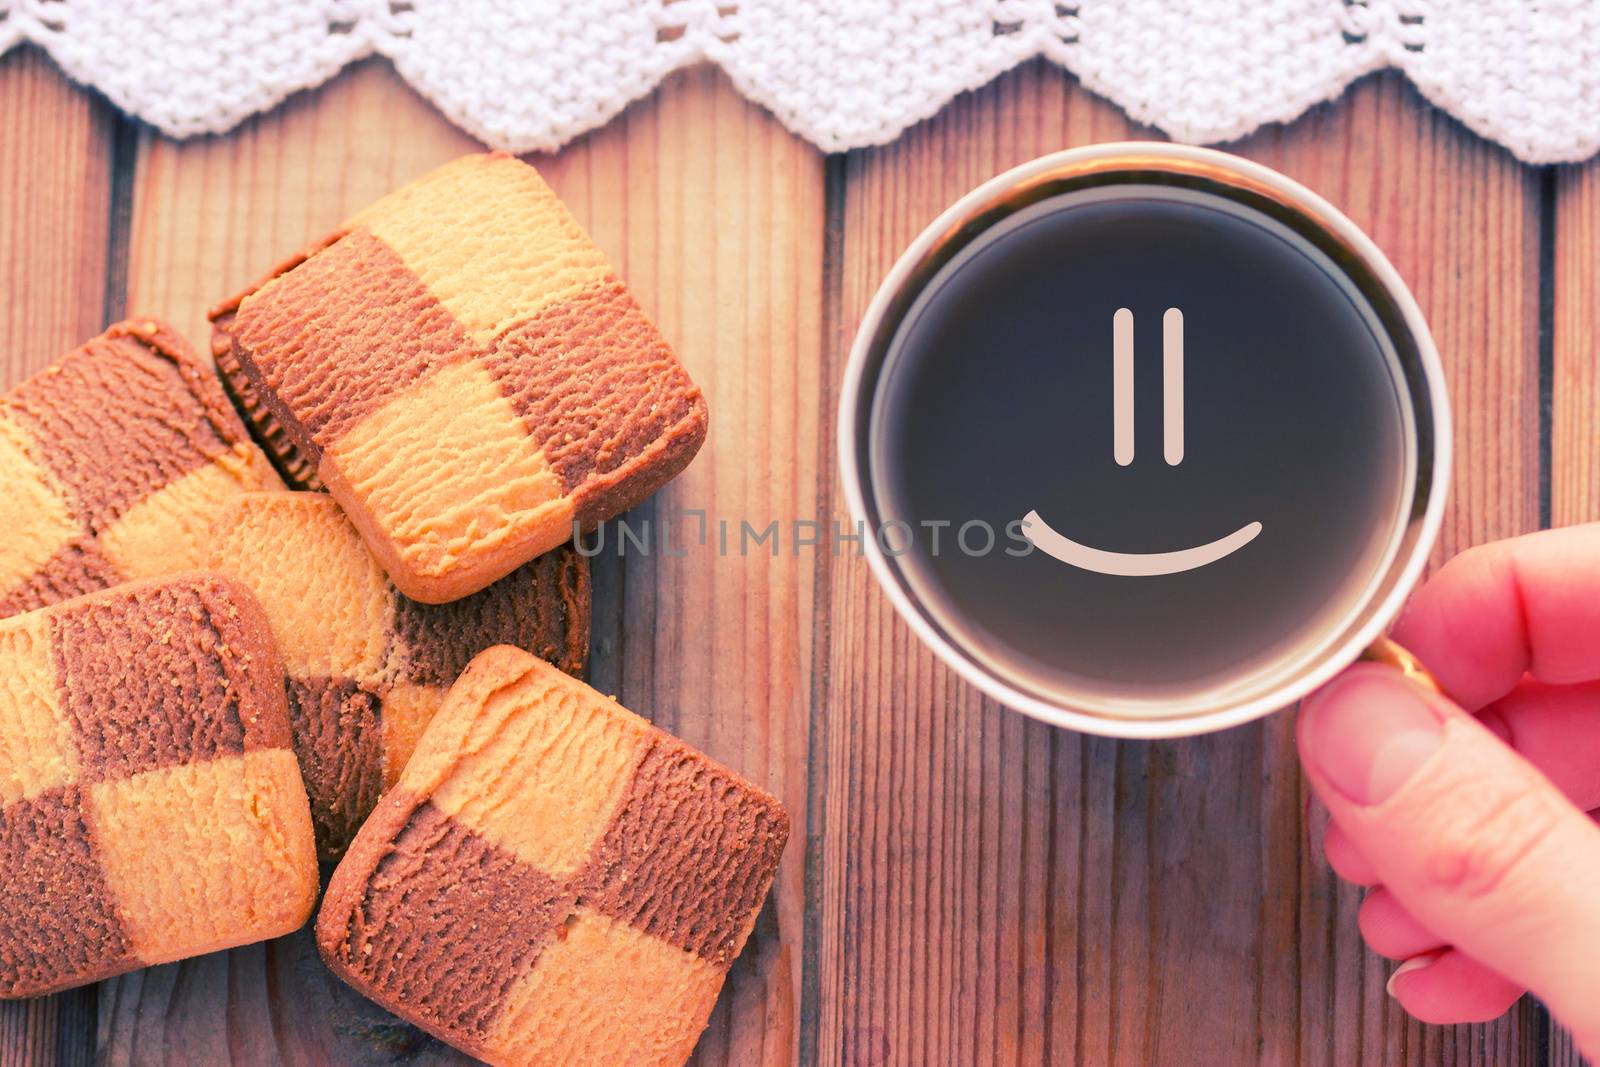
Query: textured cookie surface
column 553, row 880
column 150, row 804
column 367, row 667
column 461, row 368
column 113, row 463
column 298, row 469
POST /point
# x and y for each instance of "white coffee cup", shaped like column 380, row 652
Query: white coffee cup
column 1420, row 381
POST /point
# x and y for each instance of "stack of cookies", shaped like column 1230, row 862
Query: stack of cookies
column 329, row 606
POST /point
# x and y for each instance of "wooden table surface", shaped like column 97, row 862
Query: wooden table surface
column 964, row 886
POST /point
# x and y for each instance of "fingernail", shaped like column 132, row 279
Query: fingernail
column 1368, row 732
column 1415, row 963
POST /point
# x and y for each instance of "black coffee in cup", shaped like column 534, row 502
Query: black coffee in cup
column 1195, row 405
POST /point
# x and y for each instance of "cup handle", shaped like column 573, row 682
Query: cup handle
column 1392, row 654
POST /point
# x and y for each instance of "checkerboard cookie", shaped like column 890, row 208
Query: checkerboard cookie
column 113, row 462
column 150, row 804
column 367, row 667
column 461, row 367
column 553, row 880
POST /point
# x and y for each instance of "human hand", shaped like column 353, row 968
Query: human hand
column 1466, row 814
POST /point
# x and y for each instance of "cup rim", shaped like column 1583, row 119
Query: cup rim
column 1379, row 607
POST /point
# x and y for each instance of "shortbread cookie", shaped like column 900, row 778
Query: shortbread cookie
column 461, row 368
column 150, row 804
column 554, row 881
column 113, row 463
column 367, row 667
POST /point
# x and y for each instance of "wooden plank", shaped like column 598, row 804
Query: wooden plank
column 998, row 892
column 1575, row 384
column 56, row 148
column 55, row 166
column 1575, row 347
column 714, row 215
column 1563, row 1052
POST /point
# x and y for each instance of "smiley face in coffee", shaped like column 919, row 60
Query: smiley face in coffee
column 1188, row 417
column 1132, row 564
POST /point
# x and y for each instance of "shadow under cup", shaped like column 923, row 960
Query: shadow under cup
column 1152, row 439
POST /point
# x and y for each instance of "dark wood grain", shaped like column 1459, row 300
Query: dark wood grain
column 998, row 892
column 56, row 147
column 1563, row 1053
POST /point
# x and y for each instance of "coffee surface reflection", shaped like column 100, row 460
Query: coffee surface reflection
column 1199, row 414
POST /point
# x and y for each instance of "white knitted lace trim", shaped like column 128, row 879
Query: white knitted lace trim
column 531, row 74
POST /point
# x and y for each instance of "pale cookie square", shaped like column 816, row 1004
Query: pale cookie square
column 511, row 249
column 166, row 532
column 541, row 773
column 36, row 749
column 204, row 856
column 329, row 602
column 443, row 471
column 598, row 963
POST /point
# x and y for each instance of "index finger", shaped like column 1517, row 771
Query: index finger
column 1528, row 605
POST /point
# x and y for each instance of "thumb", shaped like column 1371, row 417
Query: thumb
column 1476, row 844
